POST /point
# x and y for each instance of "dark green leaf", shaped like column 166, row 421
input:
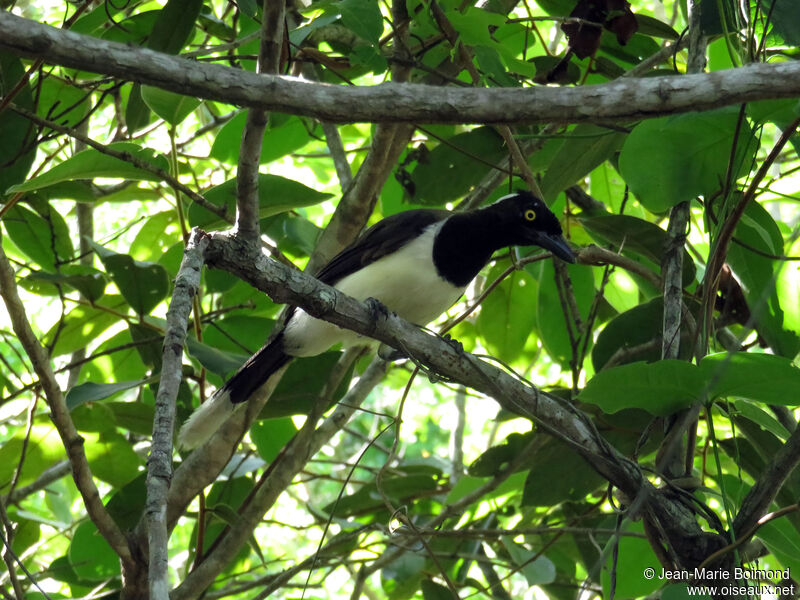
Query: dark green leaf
column 90, row 282
column 497, row 458
column 171, row 107
column 111, row 458
column 660, row 388
column 90, row 164
column 763, row 377
column 653, row 27
column 17, row 151
column 633, row 235
column 62, row 102
column 557, row 474
column 508, row 314
column 281, row 137
column 271, row 435
column 301, row 386
column 368, row 499
column 362, row 17
column 39, row 235
column 127, row 504
column 584, row 148
column 90, row 555
column 633, row 556
column 448, row 171
column 549, row 313
column 143, row 284
column 275, row 195
column 435, row 591
column 690, row 159
column 92, row 392
column 217, row 361
column 536, row 568
column 84, row 324
column 136, row 417
column 174, row 25
column 785, row 19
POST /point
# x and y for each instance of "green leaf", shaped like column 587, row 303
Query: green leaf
column 660, row 388
column 634, row 555
column 301, row 386
column 90, row 555
column 171, row 107
column 569, row 476
column 275, row 195
column 136, row 417
column 653, row 27
column 43, row 237
column 126, row 505
column 450, row 170
column 362, row 17
column 90, row 282
column 435, row 591
column 633, row 235
column 785, row 19
column 16, row 151
column 763, row 377
column 112, row 458
column 62, row 101
column 143, row 284
column 368, row 499
column 42, row 450
column 690, row 159
column 508, row 314
column 174, row 25
column 536, row 568
column 281, row 137
column 584, row 148
column 497, row 458
column 92, row 392
column 91, row 164
column 638, row 327
column 84, row 324
column 271, row 435
column 217, row 361
column 549, row 315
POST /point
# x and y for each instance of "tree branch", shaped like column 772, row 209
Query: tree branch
column 73, row 442
column 159, row 463
column 269, row 57
column 624, row 98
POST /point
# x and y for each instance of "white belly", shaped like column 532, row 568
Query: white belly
column 405, row 281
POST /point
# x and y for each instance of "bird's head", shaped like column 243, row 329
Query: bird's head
column 527, row 221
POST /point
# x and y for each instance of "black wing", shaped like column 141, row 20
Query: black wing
column 385, row 237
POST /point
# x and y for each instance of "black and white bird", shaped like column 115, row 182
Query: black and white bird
column 417, row 263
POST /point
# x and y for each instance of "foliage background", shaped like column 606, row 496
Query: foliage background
column 430, row 489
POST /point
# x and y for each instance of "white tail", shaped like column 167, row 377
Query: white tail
column 204, row 421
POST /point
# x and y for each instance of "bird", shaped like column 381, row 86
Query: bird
column 417, row 263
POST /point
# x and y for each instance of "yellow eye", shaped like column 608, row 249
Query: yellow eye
column 530, row 214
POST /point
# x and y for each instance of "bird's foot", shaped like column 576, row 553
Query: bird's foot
column 453, row 343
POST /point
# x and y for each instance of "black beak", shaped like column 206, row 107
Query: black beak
column 557, row 245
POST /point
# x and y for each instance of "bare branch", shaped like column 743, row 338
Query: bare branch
column 623, row 98
column 269, row 56
column 73, row 442
column 159, row 463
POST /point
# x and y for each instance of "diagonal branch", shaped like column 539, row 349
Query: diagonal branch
column 623, row 98
column 73, row 442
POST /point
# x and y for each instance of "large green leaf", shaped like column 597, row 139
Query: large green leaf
column 171, row 107
column 508, row 314
column 636, row 236
column 142, row 284
column 92, row 392
column 283, row 135
column 362, row 17
column 673, row 159
column 90, row 555
column 275, row 195
column 661, row 388
column 762, row 377
column 43, row 236
column 83, row 325
column 91, row 164
column 90, row 282
column 16, row 151
column 449, row 171
column 585, row 147
column 549, row 312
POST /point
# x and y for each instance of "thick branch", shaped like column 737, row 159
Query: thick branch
column 73, row 442
column 159, row 463
column 409, row 103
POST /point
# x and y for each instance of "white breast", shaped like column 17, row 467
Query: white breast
column 405, row 281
